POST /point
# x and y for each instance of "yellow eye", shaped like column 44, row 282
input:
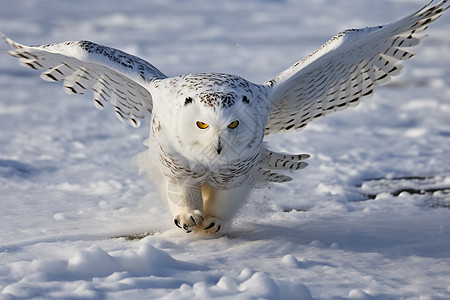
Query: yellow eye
column 202, row 125
column 233, row 124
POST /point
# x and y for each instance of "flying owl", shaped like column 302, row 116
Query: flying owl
column 206, row 149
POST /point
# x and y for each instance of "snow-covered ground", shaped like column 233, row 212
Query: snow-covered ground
column 352, row 225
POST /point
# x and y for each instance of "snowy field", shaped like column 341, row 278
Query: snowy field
column 368, row 219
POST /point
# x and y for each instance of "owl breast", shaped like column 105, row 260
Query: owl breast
column 220, row 174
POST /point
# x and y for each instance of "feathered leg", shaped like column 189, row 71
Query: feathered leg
column 220, row 206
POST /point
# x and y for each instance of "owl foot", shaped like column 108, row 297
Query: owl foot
column 189, row 221
column 212, row 225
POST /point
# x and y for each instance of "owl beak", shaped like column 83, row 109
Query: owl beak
column 219, row 147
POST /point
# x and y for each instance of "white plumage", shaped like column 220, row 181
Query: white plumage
column 206, row 150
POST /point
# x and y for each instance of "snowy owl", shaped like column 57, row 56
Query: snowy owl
column 206, row 149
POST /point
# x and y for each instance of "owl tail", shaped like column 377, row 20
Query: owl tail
column 272, row 161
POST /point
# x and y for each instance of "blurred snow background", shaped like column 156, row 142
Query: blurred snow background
column 367, row 219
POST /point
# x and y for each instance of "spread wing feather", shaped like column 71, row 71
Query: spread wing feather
column 273, row 163
column 345, row 69
column 113, row 75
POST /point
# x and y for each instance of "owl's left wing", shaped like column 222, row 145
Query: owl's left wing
column 344, row 69
column 113, row 75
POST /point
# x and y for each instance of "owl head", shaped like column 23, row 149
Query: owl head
column 220, row 117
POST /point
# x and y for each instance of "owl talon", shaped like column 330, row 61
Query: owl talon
column 177, row 223
column 214, row 225
column 189, row 221
column 210, row 226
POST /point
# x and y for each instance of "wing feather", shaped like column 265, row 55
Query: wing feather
column 272, row 163
column 113, row 75
column 345, row 69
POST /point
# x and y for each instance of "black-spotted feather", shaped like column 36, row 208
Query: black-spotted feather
column 273, row 162
column 345, row 69
column 113, row 75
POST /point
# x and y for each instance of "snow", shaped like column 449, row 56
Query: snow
column 368, row 218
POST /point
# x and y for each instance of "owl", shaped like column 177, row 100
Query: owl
column 206, row 148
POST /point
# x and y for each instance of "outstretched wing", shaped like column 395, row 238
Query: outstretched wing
column 113, row 75
column 344, row 69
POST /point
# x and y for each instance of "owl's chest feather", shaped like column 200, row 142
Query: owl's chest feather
column 220, row 174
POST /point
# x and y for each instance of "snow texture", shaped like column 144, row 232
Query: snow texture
column 368, row 219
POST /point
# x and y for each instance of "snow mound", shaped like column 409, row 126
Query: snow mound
column 92, row 272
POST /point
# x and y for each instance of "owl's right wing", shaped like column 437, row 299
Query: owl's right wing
column 113, row 75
